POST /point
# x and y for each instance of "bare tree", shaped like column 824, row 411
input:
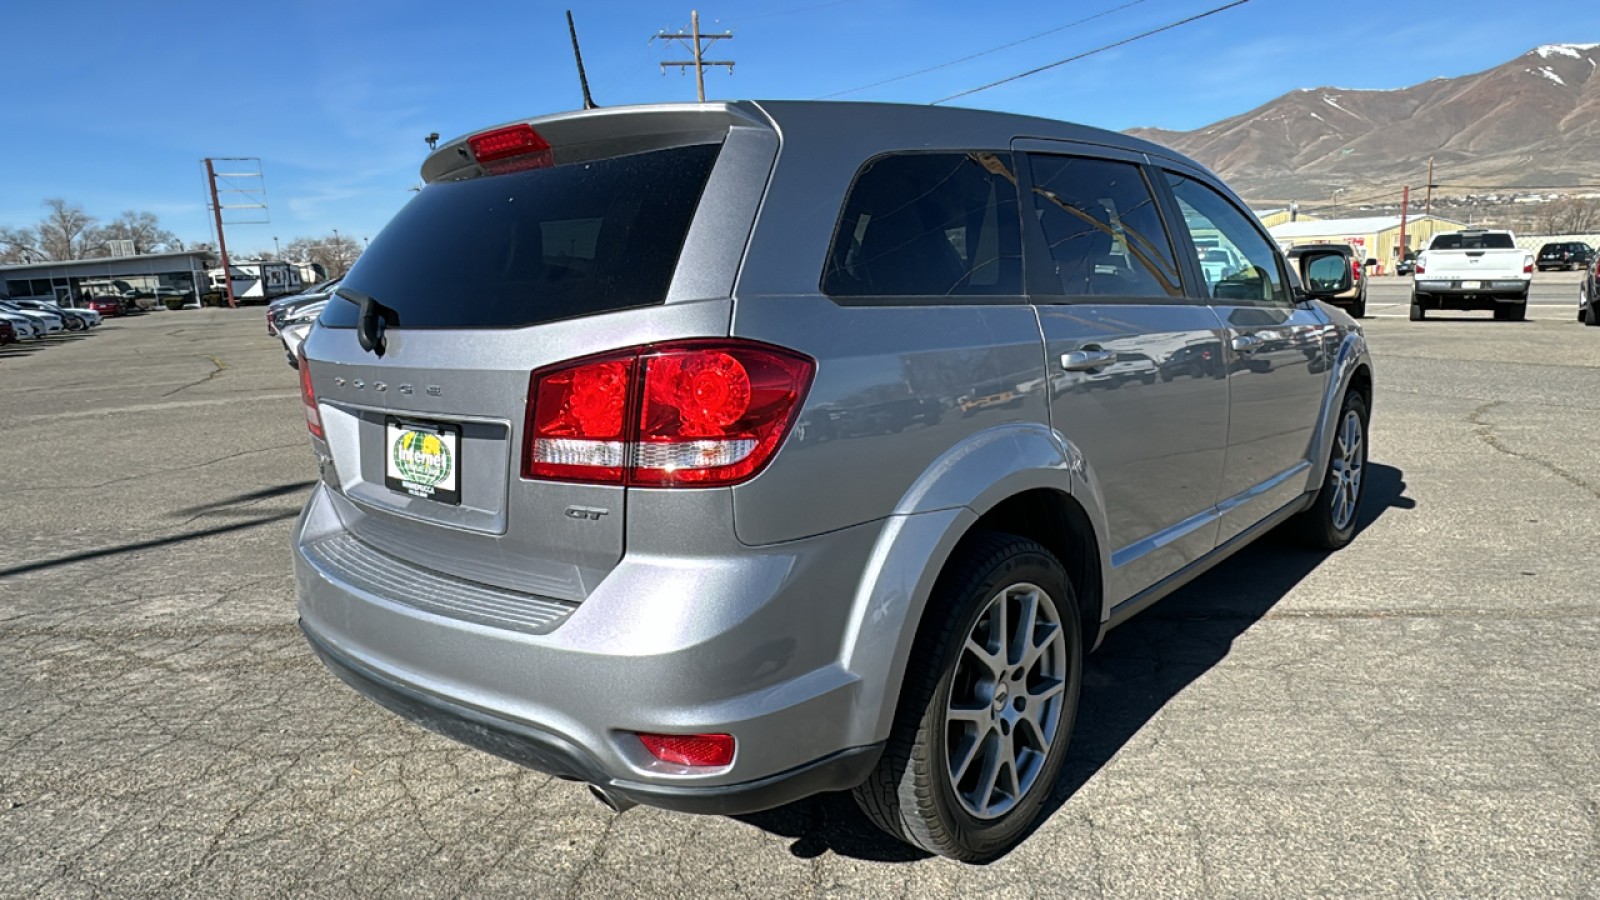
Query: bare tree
column 64, row 228
column 142, row 228
column 335, row 253
column 19, row 245
column 1569, row 215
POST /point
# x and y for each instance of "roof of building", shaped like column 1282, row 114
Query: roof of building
column 141, row 259
column 1364, row 225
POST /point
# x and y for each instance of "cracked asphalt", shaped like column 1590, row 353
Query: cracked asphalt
column 1415, row 716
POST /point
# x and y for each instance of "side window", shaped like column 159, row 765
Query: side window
column 928, row 224
column 1103, row 229
column 1239, row 264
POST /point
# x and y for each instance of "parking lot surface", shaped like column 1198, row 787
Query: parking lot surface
column 1416, row 715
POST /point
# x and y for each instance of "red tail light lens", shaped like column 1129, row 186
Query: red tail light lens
column 576, row 418
column 1527, row 267
column 1417, row 269
column 511, row 149
column 690, row 749
column 691, row 414
column 309, row 398
column 1355, row 270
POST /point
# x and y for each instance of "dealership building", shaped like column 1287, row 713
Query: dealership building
column 1373, row 237
column 70, row 282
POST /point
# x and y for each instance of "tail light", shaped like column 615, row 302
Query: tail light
column 1416, row 268
column 309, row 398
column 1355, row 270
column 690, row 749
column 1527, row 265
column 687, row 414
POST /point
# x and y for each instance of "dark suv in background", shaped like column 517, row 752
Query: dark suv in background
column 1564, row 255
column 1353, row 301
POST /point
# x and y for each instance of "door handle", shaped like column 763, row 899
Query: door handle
column 1246, row 343
column 1088, row 358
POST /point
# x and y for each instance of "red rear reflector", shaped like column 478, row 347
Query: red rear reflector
column 687, row 414
column 690, row 749
column 309, row 398
column 510, row 149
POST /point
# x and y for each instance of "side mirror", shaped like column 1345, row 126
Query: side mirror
column 1371, row 262
column 1326, row 274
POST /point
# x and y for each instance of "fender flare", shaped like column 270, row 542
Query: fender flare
column 916, row 542
column 1351, row 356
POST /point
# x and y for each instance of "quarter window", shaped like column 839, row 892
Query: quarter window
column 929, row 225
column 1239, row 265
column 1102, row 227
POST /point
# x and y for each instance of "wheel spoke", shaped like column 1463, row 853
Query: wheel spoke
column 1039, row 696
column 984, row 655
column 1052, row 633
column 978, row 717
column 970, row 751
column 1020, row 642
column 989, row 776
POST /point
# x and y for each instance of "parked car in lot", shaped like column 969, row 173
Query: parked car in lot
column 105, row 305
column 72, row 319
column 48, row 323
column 561, row 516
column 1564, row 255
column 1587, row 313
column 284, row 308
column 27, row 327
column 1353, row 301
column 1475, row 269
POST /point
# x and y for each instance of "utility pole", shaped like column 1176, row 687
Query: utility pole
column 222, row 242
column 695, row 42
column 1428, row 210
column 1405, row 207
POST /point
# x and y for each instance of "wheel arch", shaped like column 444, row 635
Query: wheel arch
column 1043, row 492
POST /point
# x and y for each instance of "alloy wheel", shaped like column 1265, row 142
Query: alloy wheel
column 1005, row 706
column 1349, row 459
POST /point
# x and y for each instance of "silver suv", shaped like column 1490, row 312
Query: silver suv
column 717, row 455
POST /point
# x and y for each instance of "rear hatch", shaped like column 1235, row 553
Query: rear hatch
column 508, row 262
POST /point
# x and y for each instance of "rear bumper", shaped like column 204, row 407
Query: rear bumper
column 1462, row 294
column 554, row 754
column 746, row 645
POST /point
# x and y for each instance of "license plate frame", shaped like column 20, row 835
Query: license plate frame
column 420, row 467
column 1472, row 285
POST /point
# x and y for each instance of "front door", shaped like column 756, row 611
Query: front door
column 1137, row 379
column 1276, row 359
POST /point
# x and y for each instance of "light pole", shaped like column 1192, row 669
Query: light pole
column 277, row 251
column 1336, row 193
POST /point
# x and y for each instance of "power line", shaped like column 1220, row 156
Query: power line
column 963, row 59
column 1062, row 62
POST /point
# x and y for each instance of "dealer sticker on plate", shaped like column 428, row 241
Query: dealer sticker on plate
column 423, row 460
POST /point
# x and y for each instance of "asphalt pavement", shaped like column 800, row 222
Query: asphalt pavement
column 1414, row 716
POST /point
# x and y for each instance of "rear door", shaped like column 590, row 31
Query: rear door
column 483, row 279
column 1135, row 363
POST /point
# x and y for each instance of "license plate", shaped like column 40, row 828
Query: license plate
column 1471, row 285
column 423, row 459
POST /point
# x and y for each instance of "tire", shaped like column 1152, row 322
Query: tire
column 913, row 794
column 1417, row 312
column 1590, row 315
column 1519, row 312
column 1358, row 310
column 1330, row 522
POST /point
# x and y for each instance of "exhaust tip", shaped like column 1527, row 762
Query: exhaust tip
column 614, row 802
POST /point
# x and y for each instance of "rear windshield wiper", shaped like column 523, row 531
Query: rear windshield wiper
column 375, row 317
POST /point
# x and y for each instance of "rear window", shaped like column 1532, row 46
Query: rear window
column 1486, row 241
column 507, row 251
column 929, row 225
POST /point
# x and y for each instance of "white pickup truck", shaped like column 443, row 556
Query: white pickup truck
column 1473, row 269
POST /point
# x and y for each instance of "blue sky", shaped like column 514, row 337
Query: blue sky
column 114, row 104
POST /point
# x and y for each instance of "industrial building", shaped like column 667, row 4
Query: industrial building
column 69, row 282
column 1373, row 237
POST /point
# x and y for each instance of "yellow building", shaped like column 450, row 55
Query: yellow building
column 1273, row 217
column 1373, row 237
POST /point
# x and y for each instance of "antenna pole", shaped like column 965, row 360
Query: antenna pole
column 583, row 80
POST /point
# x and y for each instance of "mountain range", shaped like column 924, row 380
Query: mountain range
column 1527, row 124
